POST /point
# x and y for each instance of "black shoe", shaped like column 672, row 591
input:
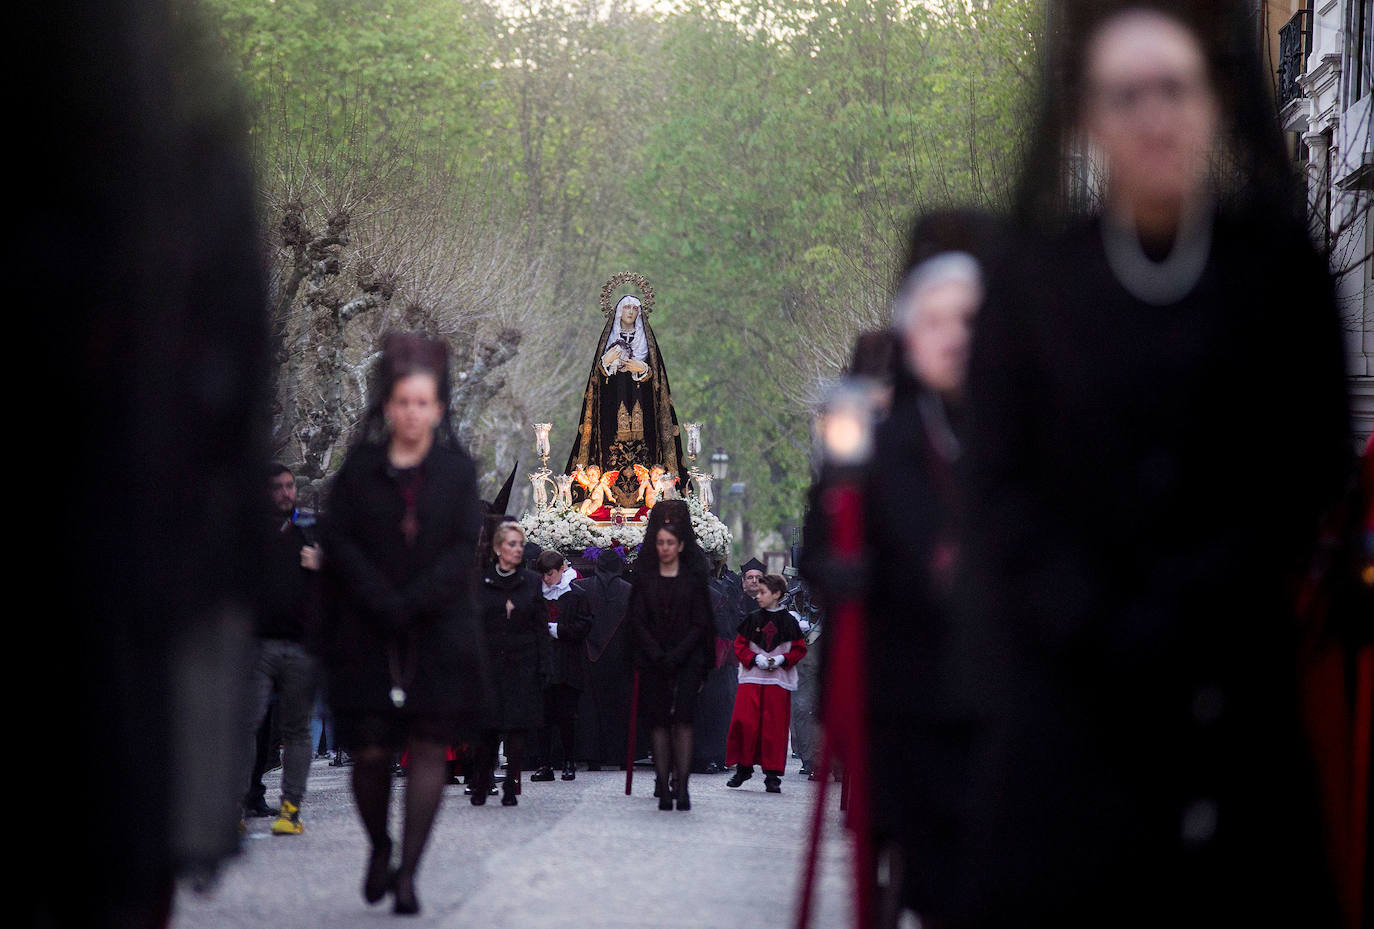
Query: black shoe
column 665, row 796
column 684, row 800
column 543, row 774
column 379, row 873
column 510, row 799
column 805, row 769
column 570, row 772
column 714, row 767
column 741, row 775
column 258, row 809
column 404, row 902
column 772, row 783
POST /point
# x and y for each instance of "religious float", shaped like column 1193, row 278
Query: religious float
column 628, row 453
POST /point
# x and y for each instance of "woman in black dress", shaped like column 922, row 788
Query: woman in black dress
column 512, row 614
column 403, row 654
column 1158, row 419
column 674, row 641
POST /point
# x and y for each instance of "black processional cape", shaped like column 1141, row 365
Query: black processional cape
column 625, row 423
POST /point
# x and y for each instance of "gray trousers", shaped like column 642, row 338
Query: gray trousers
column 289, row 669
column 805, row 706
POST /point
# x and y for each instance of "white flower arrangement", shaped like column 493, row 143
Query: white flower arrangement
column 713, row 534
column 568, row 531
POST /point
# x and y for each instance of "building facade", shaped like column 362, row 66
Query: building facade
column 1322, row 52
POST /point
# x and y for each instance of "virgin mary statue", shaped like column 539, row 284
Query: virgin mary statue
column 627, row 409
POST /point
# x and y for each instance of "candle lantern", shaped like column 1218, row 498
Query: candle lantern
column 693, row 440
column 701, row 482
column 541, row 440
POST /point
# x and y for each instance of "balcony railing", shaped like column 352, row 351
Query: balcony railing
column 1295, row 43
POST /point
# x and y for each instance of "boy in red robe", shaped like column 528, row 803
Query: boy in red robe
column 769, row 644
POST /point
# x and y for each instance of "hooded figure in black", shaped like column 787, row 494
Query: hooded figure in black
column 606, row 702
column 1140, row 501
column 718, row 694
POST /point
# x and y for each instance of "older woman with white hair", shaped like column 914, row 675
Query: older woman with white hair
column 919, row 741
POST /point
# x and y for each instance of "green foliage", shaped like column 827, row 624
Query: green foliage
column 759, row 162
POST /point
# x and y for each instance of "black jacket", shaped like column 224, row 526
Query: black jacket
column 397, row 609
column 573, row 615
column 519, row 645
column 673, row 623
column 1134, row 515
column 288, row 594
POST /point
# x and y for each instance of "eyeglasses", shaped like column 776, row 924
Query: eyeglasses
column 1126, row 97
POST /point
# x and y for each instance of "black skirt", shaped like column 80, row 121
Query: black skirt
column 669, row 697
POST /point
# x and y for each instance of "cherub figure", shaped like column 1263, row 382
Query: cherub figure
column 598, row 486
column 650, row 484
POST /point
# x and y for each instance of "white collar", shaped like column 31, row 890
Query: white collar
column 563, row 586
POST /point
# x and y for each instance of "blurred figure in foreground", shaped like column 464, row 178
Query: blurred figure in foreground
column 919, row 738
column 403, row 654
column 1158, row 422
column 133, row 246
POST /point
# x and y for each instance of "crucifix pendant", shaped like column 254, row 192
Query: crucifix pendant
column 398, row 696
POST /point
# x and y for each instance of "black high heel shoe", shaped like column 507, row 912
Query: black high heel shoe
column 404, row 902
column 664, row 794
column 379, row 874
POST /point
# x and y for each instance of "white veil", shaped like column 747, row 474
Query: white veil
column 639, row 345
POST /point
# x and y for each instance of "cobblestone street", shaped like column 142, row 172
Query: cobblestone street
column 572, row 854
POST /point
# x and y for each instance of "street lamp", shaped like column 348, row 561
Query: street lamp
column 720, row 465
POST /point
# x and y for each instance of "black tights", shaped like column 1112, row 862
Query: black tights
column 673, row 755
column 426, row 775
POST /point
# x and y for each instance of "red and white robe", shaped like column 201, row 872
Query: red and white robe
column 763, row 702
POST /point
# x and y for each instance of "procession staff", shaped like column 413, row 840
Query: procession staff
column 1134, row 532
column 404, row 655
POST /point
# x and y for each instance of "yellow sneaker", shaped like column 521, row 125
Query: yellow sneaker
column 289, row 822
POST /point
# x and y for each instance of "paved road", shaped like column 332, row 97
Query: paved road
column 576, row 854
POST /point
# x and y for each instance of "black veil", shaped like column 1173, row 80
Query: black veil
column 1252, row 172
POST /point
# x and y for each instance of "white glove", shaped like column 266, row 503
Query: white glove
column 761, row 660
column 553, row 630
column 775, row 662
column 805, row 626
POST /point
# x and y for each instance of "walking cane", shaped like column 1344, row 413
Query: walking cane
column 630, row 741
